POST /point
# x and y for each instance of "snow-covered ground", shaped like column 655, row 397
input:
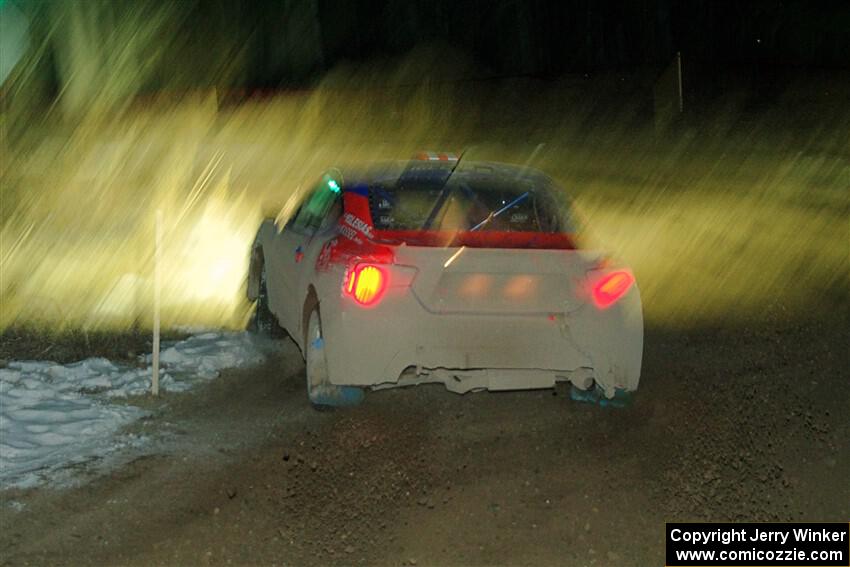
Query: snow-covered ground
column 54, row 416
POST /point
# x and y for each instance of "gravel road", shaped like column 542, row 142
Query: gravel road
column 738, row 422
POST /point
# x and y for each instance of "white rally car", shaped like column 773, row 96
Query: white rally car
column 434, row 270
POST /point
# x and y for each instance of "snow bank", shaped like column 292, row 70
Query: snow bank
column 53, row 416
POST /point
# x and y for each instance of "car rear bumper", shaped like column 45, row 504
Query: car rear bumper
column 375, row 346
column 494, row 379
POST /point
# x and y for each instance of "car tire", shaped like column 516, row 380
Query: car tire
column 264, row 321
column 322, row 394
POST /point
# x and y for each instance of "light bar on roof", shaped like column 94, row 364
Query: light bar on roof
column 435, row 156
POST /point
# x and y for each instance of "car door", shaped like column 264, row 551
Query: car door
column 292, row 244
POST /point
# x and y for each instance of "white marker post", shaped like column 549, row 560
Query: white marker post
column 679, row 80
column 157, row 285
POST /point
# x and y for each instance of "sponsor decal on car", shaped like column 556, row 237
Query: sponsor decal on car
column 357, row 224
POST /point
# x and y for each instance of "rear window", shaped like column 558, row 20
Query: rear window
column 477, row 204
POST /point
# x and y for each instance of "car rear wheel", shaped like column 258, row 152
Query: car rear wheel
column 321, row 392
column 264, row 321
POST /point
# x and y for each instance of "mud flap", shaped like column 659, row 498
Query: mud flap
column 330, row 395
column 336, row 396
column 596, row 395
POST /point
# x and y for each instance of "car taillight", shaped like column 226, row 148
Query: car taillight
column 366, row 283
column 611, row 287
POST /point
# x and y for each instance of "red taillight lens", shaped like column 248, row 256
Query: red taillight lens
column 366, row 283
column 611, row 287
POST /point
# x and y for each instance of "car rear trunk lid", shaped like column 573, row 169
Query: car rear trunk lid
column 497, row 281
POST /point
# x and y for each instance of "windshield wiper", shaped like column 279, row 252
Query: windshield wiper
column 494, row 214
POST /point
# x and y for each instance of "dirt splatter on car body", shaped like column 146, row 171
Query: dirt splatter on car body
column 469, row 276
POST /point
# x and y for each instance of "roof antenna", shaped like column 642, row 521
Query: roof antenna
column 454, row 167
column 443, row 193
